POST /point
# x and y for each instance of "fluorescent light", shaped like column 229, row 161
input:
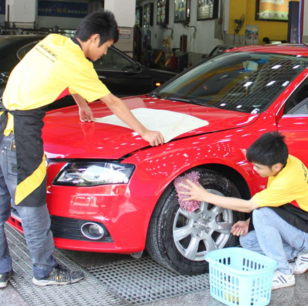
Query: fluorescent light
column 247, row 84
column 270, row 83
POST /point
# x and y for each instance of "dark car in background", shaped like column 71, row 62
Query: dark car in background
column 120, row 73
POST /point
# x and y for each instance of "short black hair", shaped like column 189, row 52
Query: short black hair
column 266, row 40
column 99, row 22
column 268, row 150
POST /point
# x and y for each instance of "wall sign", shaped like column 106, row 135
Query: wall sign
column 251, row 34
column 207, row 9
column 124, row 34
column 162, row 12
column 273, row 10
column 181, row 10
column 62, row 9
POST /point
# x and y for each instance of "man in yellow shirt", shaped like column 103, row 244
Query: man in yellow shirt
column 55, row 67
column 279, row 212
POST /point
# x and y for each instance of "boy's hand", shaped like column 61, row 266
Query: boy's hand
column 196, row 192
column 85, row 114
column 153, row 137
column 240, row 228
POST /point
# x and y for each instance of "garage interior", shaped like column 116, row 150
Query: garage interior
column 158, row 40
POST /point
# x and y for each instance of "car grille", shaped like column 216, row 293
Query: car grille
column 68, row 228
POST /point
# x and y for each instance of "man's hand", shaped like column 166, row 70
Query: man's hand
column 195, row 192
column 119, row 108
column 153, row 137
column 240, row 228
column 85, row 113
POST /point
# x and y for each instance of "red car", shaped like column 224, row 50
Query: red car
column 108, row 191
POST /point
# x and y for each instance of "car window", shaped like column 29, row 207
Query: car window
column 240, row 81
column 4, row 43
column 300, row 109
column 300, row 95
column 25, row 49
column 113, row 61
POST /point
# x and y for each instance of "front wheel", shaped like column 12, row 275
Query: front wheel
column 179, row 240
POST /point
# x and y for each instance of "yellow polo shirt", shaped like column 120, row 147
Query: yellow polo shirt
column 54, row 65
column 289, row 186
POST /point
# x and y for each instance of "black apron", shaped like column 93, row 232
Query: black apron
column 28, row 126
column 291, row 214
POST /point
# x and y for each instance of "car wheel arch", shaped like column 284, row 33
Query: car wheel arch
column 154, row 249
column 227, row 171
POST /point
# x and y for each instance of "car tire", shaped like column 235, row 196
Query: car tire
column 171, row 252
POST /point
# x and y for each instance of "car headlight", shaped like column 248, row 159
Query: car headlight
column 93, row 174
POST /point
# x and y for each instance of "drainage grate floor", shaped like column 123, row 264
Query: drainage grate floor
column 143, row 281
column 90, row 291
column 121, row 283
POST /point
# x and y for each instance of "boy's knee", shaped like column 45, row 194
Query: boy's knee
column 243, row 242
column 248, row 240
column 259, row 213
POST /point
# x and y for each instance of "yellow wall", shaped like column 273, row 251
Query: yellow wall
column 274, row 30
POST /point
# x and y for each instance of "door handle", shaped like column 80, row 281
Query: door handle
column 101, row 77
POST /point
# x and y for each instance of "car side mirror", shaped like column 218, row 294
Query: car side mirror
column 128, row 69
column 138, row 67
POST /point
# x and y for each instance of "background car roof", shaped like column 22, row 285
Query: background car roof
column 279, row 49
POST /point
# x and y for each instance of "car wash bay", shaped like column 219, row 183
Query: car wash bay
column 113, row 279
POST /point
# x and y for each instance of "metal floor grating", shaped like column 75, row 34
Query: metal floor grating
column 88, row 292
column 143, row 281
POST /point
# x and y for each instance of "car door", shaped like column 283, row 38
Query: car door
column 294, row 123
column 121, row 75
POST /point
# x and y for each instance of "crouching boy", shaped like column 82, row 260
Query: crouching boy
column 279, row 219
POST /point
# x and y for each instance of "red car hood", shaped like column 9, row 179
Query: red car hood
column 66, row 137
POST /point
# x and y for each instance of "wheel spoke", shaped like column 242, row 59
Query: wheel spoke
column 222, row 227
column 189, row 215
column 182, row 233
column 216, row 210
column 192, row 249
column 210, row 244
column 204, row 206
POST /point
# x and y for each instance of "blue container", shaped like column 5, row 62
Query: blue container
column 240, row 277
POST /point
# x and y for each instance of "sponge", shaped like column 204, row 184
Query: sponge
column 190, row 205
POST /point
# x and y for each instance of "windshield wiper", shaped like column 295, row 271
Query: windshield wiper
column 155, row 95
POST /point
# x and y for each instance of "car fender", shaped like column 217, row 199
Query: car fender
column 158, row 170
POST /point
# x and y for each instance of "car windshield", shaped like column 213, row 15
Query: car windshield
column 4, row 42
column 240, row 81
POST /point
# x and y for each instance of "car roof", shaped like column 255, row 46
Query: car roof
column 291, row 49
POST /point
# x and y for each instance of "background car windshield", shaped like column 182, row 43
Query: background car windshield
column 242, row 81
column 4, row 42
column 113, row 61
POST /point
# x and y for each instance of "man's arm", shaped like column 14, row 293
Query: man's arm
column 198, row 193
column 85, row 112
column 119, row 108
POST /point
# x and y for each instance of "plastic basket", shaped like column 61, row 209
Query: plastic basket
column 240, row 277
